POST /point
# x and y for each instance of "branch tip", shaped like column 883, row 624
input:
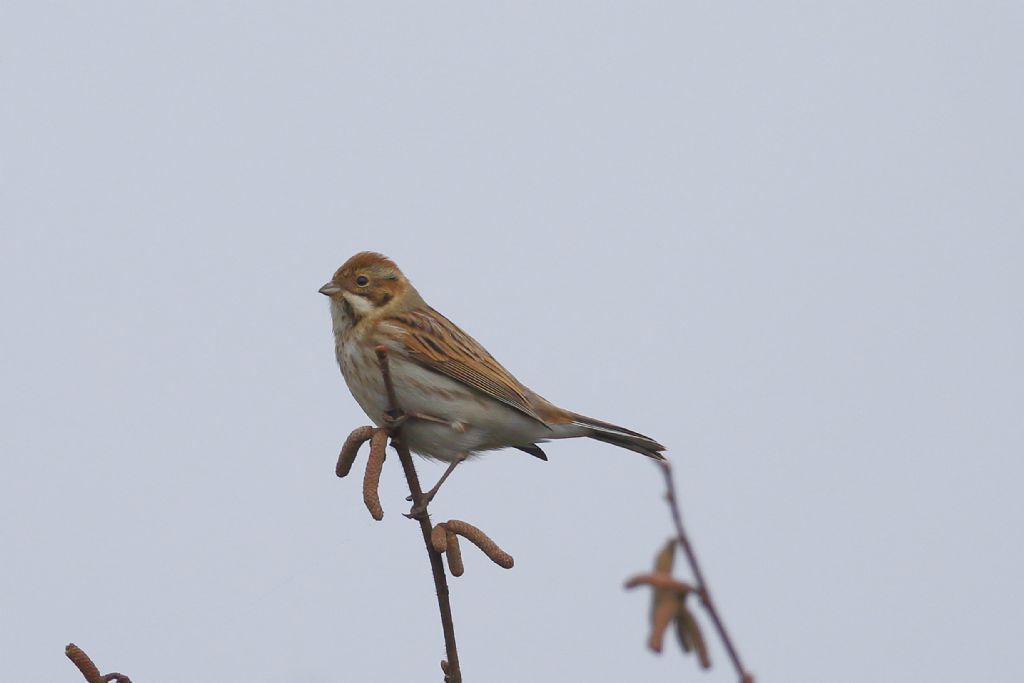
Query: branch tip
column 668, row 592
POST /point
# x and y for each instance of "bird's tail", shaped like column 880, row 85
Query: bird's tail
column 619, row 436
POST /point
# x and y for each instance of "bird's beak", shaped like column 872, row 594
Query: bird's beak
column 330, row 289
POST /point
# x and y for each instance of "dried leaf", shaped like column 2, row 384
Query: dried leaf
column 662, row 582
column 664, row 601
column 665, row 558
column 682, row 634
column 665, row 606
column 686, row 624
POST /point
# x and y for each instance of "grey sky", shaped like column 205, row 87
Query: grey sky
column 783, row 238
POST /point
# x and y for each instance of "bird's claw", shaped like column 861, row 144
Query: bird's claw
column 418, row 510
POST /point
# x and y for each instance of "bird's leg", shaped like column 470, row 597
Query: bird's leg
column 430, row 418
column 429, row 495
column 394, row 421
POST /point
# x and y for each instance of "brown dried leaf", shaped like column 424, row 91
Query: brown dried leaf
column 661, row 582
column 350, row 448
column 690, row 635
column 682, row 635
column 664, row 601
column 455, row 565
column 665, row 558
column 665, row 606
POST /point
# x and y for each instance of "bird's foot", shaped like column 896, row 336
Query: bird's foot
column 455, row 425
column 419, row 510
column 394, row 419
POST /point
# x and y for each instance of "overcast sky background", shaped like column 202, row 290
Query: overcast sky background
column 785, row 239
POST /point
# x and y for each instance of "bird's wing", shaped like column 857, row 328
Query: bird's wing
column 438, row 344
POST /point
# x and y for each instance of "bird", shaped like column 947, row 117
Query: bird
column 457, row 401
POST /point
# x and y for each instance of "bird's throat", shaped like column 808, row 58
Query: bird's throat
column 343, row 316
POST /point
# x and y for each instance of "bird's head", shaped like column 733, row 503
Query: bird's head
column 368, row 282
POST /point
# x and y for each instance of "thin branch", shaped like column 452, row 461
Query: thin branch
column 698, row 575
column 451, row 668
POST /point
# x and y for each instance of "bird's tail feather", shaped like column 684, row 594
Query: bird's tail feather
column 619, row 436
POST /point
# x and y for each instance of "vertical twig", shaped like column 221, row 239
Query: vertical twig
column 453, row 672
column 698, row 575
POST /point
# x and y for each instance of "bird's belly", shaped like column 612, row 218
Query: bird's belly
column 473, row 422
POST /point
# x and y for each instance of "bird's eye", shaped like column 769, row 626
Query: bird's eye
column 362, row 280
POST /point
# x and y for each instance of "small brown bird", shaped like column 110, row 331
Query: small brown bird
column 459, row 400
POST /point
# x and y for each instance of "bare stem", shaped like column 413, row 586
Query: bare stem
column 453, row 673
column 698, row 575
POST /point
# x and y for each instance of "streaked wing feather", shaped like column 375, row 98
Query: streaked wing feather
column 437, row 343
